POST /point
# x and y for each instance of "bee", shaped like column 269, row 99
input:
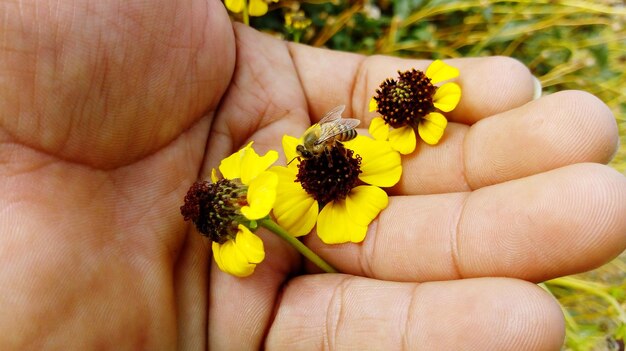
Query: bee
column 323, row 135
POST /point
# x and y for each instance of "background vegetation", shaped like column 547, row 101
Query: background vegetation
column 567, row 44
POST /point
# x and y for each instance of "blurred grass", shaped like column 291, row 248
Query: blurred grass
column 567, row 44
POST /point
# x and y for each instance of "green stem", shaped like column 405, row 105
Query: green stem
column 296, row 36
column 297, row 244
column 246, row 18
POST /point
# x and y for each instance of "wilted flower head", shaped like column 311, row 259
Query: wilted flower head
column 226, row 210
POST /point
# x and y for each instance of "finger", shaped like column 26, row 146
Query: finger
column 241, row 309
column 561, row 222
column 557, row 130
column 560, row 129
column 489, row 85
column 343, row 312
column 191, row 274
column 264, row 101
column 120, row 88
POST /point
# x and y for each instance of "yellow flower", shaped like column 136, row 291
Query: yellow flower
column 412, row 102
column 255, row 7
column 339, row 190
column 296, row 20
column 226, row 209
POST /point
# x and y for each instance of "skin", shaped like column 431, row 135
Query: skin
column 110, row 110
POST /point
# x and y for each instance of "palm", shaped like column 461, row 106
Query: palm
column 105, row 148
column 94, row 166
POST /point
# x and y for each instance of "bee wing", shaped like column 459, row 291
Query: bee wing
column 330, row 130
column 332, row 115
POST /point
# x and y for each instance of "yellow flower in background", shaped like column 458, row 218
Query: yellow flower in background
column 296, row 20
column 413, row 103
column 255, row 7
column 226, row 209
column 339, row 189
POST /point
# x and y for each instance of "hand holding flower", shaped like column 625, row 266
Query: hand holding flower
column 97, row 153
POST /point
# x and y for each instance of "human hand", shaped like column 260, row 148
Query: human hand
column 106, row 132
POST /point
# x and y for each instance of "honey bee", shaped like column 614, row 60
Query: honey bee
column 323, row 135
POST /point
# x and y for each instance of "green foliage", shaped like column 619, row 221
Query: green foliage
column 567, row 44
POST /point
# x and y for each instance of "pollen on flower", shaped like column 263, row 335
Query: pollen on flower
column 214, row 208
column 331, row 175
column 406, row 100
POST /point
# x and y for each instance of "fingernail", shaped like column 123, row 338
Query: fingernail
column 537, row 88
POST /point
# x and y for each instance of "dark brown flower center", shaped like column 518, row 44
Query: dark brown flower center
column 215, row 208
column 406, row 100
column 330, row 175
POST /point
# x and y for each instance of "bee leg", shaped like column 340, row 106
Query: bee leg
column 329, row 157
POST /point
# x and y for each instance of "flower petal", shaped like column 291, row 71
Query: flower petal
column 289, row 148
column 447, row 97
column 403, row 140
column 295, row 210
column 286, row 176
column 230, row 167
column 258, row 8
column 431, row 127
column 298, row 214
column 334, row 225
column 364, row 203
column 373, row 105
column 379, row 129
column 235, row 6
column 217, row 255
column 261, row 196
column 438, row 71
column 231, row 260
column 252, row 164
column 239, row 257
column 347, row 220
column 380, row 164
column 250, row 245
column 214, row 177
